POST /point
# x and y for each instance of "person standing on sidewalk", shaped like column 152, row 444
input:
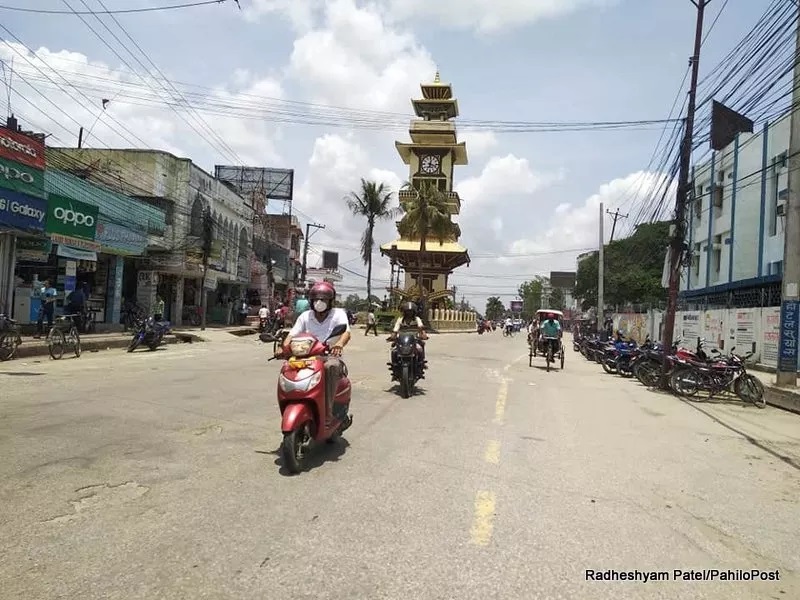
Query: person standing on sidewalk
column 48, row 295
column 158, row 308
column 371, row 324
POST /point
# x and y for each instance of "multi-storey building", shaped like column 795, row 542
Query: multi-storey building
column 736, row 221
column 186, row 193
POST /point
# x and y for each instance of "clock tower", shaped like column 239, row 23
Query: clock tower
column 431, row 156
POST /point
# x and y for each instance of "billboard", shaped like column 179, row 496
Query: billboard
column 18, row 147
column 330, row 260
column 272, row 184
column 516, row 306
column 564, row 280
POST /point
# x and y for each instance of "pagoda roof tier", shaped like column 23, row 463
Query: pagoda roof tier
column 438, row 258
column 432, row 133
column 435, row 109
column 459, row 151
column 437, row 89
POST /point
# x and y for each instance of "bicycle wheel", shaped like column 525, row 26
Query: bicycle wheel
column 6, row 346
column 56, row 343
column 75, row 340
column 750, row 389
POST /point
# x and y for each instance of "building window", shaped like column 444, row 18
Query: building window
column 718, row 197
column 772, row 196
column 717, row 254
column 696, row 260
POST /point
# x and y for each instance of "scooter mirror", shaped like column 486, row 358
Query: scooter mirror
column 265, row 337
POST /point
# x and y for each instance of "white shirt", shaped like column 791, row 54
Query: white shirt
column 371, row 318
column 508, row 322
column 399, row 323
column 263, row 312
column 308, row 323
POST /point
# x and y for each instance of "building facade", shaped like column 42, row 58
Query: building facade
column 735, row 222
column 173, row 268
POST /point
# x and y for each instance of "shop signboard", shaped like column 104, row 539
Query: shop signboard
column 71, row 218
column 65, row 240
column 21, row 178
column 19, row 211
column 790, row 329
column 33, row 250
column 18, row 147
column 119, row 240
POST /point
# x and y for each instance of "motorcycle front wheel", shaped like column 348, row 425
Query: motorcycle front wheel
column 134, row 343
column 294, row 447
column 405, row 381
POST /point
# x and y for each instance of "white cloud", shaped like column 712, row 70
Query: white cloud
column 488, row 16
column 61, row 91
column 479, row 143
column 502, row 176
column 355, row 60
column 300, row 13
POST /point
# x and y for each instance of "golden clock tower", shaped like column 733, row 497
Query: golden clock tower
column 431, row 156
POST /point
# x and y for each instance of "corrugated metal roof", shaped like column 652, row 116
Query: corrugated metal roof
column 114, row 207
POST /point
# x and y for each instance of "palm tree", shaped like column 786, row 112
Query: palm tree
column 427, row 215
column 494, row 308
column 373, row 203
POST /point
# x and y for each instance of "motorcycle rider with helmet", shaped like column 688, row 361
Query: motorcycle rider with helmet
column 320, row 321
column 408, row 321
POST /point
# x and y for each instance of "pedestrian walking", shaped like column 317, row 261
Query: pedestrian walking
column 48, row 295
column 371, row 323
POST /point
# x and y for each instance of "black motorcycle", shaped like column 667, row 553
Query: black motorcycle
column 406, row 366
column 150, row 333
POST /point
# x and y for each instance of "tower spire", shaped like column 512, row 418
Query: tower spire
column 437, row 79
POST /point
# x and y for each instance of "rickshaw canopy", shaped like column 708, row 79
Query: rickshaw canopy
column 545, row 311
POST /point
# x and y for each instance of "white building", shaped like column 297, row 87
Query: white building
column 735, row 222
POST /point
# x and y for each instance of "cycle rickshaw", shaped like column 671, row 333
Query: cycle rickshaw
column 540, row 344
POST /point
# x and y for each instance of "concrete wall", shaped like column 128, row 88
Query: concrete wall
column 746, row 329
column 448, row 320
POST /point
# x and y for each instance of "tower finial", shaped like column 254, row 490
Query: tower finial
column 436, row 78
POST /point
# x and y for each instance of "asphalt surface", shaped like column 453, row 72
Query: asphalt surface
column 154, row 475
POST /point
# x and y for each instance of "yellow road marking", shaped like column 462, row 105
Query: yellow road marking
column 500, row 405
column 483, row 523
column 493, row 452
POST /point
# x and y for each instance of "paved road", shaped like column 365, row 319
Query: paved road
column 154, row 475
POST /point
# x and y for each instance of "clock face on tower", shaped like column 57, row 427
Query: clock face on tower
column 430, row 164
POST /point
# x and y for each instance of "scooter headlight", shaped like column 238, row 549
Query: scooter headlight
column 303, row 383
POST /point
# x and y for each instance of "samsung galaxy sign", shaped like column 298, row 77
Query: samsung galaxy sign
column 18, row 211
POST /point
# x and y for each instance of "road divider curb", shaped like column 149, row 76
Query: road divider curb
column 94, row 344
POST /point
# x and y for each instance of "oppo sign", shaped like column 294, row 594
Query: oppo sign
column 14, row 174
column 69, row 216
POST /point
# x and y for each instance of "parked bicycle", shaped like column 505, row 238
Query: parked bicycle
column 10, row 338
column 58, row 341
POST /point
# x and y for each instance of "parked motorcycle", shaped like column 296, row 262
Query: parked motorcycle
column 301, row 399
column 150, row 333
column 405, row 365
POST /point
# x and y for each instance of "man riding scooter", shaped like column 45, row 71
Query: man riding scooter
column 320, row 322
column 410, row 321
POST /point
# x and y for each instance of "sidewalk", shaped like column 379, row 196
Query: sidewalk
column 32, row 347
column 785, row 398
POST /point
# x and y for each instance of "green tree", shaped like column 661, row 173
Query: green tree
column 494, row 308
column 427, row 216
column 633, row 268
column 531, row 294
column 373, row 202
column 353, row 302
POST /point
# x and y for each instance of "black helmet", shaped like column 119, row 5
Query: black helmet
column 409, row 309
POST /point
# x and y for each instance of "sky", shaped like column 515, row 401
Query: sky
column 324, row 87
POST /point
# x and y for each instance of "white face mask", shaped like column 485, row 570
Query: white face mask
column 320, row 305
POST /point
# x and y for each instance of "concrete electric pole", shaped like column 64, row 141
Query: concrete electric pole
column 305, row 248
column 601, row 313
column 790, row 296
column 678, row 229
column 616, row 216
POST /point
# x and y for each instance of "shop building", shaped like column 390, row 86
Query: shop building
column 173, row 267
column 23, row 206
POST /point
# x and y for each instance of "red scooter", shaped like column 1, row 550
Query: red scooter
column 301, row 399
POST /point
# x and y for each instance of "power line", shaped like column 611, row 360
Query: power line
column 119, row 11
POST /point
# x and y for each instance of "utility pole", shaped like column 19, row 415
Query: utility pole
column 305, row 249
column 787, row 354
column 678, row 229
column 208, row 237
column 615, row 215
column 601, row 313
